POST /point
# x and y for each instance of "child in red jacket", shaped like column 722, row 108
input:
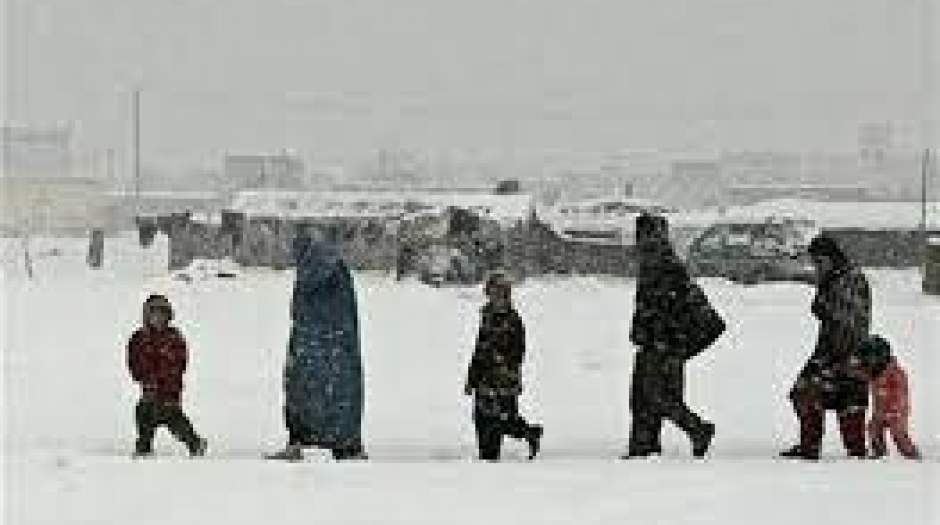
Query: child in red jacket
column 890, row 396
column 156, row 357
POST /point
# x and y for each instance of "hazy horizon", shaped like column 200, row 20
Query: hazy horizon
column 496, row 79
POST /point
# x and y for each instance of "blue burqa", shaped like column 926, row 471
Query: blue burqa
column 323, row 382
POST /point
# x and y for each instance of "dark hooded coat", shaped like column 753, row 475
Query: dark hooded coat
column 672, row 322
column 323, row 379
column 843, row 307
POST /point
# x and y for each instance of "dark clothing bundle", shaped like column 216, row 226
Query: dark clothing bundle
column 157, row 360
column 672, row 313
column 495, row 377
column 323, row 383
column 843, row 306
column 673, row 322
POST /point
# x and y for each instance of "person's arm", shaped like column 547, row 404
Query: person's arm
column 517, row 350
column 181, row 353
column 474, row 370
column 850, row 312
column 134, row 364
column 903, row 395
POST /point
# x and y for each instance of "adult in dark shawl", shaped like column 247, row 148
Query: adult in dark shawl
column 828, row 381
column 672, row 322
column 323, row 383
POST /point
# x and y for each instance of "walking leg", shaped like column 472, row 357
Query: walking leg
column 672, row 406
column 902, row 438
column 646, row 422
column 852, row 428
column 876, row 437
column 488, row 427
column 514, row 425
column 812, row 421
column 146, row 420
column 182, row 429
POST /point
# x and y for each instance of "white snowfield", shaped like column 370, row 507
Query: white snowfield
column 68, row 408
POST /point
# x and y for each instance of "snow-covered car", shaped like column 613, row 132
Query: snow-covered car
column 931, row 284
column 752, row 252
column 610, row 221
column 202, row 269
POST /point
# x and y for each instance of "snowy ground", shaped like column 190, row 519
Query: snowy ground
column 68, row 427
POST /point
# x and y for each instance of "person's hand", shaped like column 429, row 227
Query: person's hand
column 148, row 391
column 856, row 369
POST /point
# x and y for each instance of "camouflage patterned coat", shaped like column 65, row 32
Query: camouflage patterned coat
column 843, row 307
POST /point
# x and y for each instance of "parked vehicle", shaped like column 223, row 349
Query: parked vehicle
column 206, row 269
column 753, row 252
column 610, row 221
column 444, row 265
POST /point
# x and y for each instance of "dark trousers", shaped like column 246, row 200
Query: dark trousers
column 495, row 416
column 151, row 415
column 657, row 392
column 812, row 416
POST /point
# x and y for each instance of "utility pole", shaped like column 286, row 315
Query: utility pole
column 7, row 138
column 383, row 164
column 136, row 116
column 924, row 168
column 109, row 165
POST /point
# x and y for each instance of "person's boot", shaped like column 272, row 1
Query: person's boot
column 142, row 449
column 355, row 452
column 640, row 454
column 634, row 452
column 290, row 453
column 534, row 439
column 702, row 440
column 142, row 454
column 198, row 448
column 797, row 452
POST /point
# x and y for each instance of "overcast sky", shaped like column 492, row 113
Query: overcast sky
column 503, row 76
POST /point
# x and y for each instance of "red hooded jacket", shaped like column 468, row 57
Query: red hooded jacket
column 890, row 393
column 157, row 360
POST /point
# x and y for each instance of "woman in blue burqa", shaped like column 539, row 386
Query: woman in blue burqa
column 323, row 385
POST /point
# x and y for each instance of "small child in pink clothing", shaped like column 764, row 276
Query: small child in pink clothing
column 890, row 397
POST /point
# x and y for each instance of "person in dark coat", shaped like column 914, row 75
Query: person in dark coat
column 156, row 358
column 843, row 307
column 494, row 377
column 672, row 322
column 323, row 381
